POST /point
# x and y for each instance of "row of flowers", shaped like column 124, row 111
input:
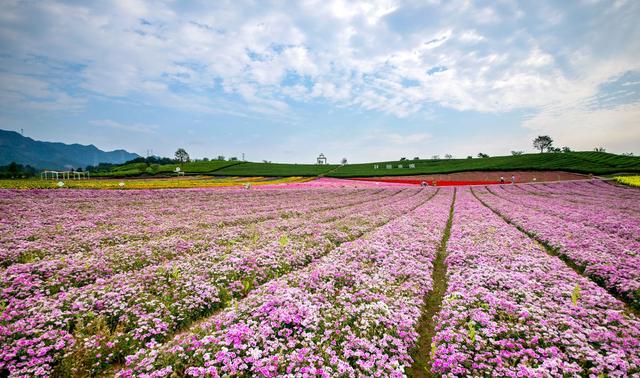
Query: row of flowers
column 155, row 183
column 43, row 224
column 607, row 258
column 171, row 238
column 594, row 192
column 512, row 310
column 352, row 313
column 573, row 207
column 629, row 180
column 83, row 330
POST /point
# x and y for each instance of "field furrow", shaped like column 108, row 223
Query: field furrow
column 50, row 276
column 44, row 226
column 513, row 310
column 607, row 219
column 352, row 313
column 322, row 280
column 608, row 260
column 102, row 322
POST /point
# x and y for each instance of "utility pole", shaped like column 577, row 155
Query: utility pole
column 243, row 157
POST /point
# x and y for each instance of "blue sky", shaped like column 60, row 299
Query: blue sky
column 285, row 81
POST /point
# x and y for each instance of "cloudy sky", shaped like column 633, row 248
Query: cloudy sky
column 284, row 81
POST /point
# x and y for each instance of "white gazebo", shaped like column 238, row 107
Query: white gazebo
column 322, row 159
column 75, row 175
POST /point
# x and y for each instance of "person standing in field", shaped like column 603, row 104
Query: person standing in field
column 513, row 179
column 501, row 179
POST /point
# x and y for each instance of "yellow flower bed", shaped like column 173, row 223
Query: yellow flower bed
column 629, row 180
column 149, row 183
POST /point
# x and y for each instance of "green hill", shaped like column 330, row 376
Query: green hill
column 580, row 162
column 275, row 169
column 142, row 169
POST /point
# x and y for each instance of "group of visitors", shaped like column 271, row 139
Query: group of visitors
column 513, row 179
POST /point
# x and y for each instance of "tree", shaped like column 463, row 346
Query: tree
column 233, row 158
column 554, row 149
column 469, row 157
column 516, row 153
column 566, row 149
column 182, row 156
column 343, row 161
column 600, row 149
column 448, row 156
column 13, row 168
column 403, row 158
column 627, row 154
column 435, row 157
column 205, row 159
column 482, row 155
column 220, row 157
column 416, row 158
column 542, row 142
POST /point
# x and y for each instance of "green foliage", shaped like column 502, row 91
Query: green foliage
column 247, row 285
column 273, row 169
column 575, row 294
column 471, row 326
column 283, row 240
column 15, row 170
column 182, row 156
column 142, row 169
column 542, row 142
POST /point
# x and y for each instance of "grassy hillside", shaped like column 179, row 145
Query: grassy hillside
column 141, row 169
column 218, row 168
column 272, row 169
column 581, row 162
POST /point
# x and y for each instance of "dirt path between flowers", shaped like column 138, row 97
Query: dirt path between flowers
column 118, row 365
column 433, row 302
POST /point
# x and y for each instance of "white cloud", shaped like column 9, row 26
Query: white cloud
column 538, row 58
column 471, row 37
column 397, row 138
column 486, row 15
column 133, row 127
column 344, row 52
column 19, row 92
column 614, row 128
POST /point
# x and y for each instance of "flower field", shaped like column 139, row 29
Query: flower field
column 629, row 180
column 328, row 278
column 155, row 183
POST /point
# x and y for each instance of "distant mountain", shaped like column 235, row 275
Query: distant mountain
column 51, row 155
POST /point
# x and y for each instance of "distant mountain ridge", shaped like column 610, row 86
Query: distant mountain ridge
column 55, row 155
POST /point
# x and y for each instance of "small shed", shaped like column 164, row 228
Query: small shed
column 322, row 159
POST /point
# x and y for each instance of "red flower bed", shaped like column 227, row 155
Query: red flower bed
column 430, row 182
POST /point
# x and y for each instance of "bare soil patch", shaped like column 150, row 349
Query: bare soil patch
column 521, row 176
